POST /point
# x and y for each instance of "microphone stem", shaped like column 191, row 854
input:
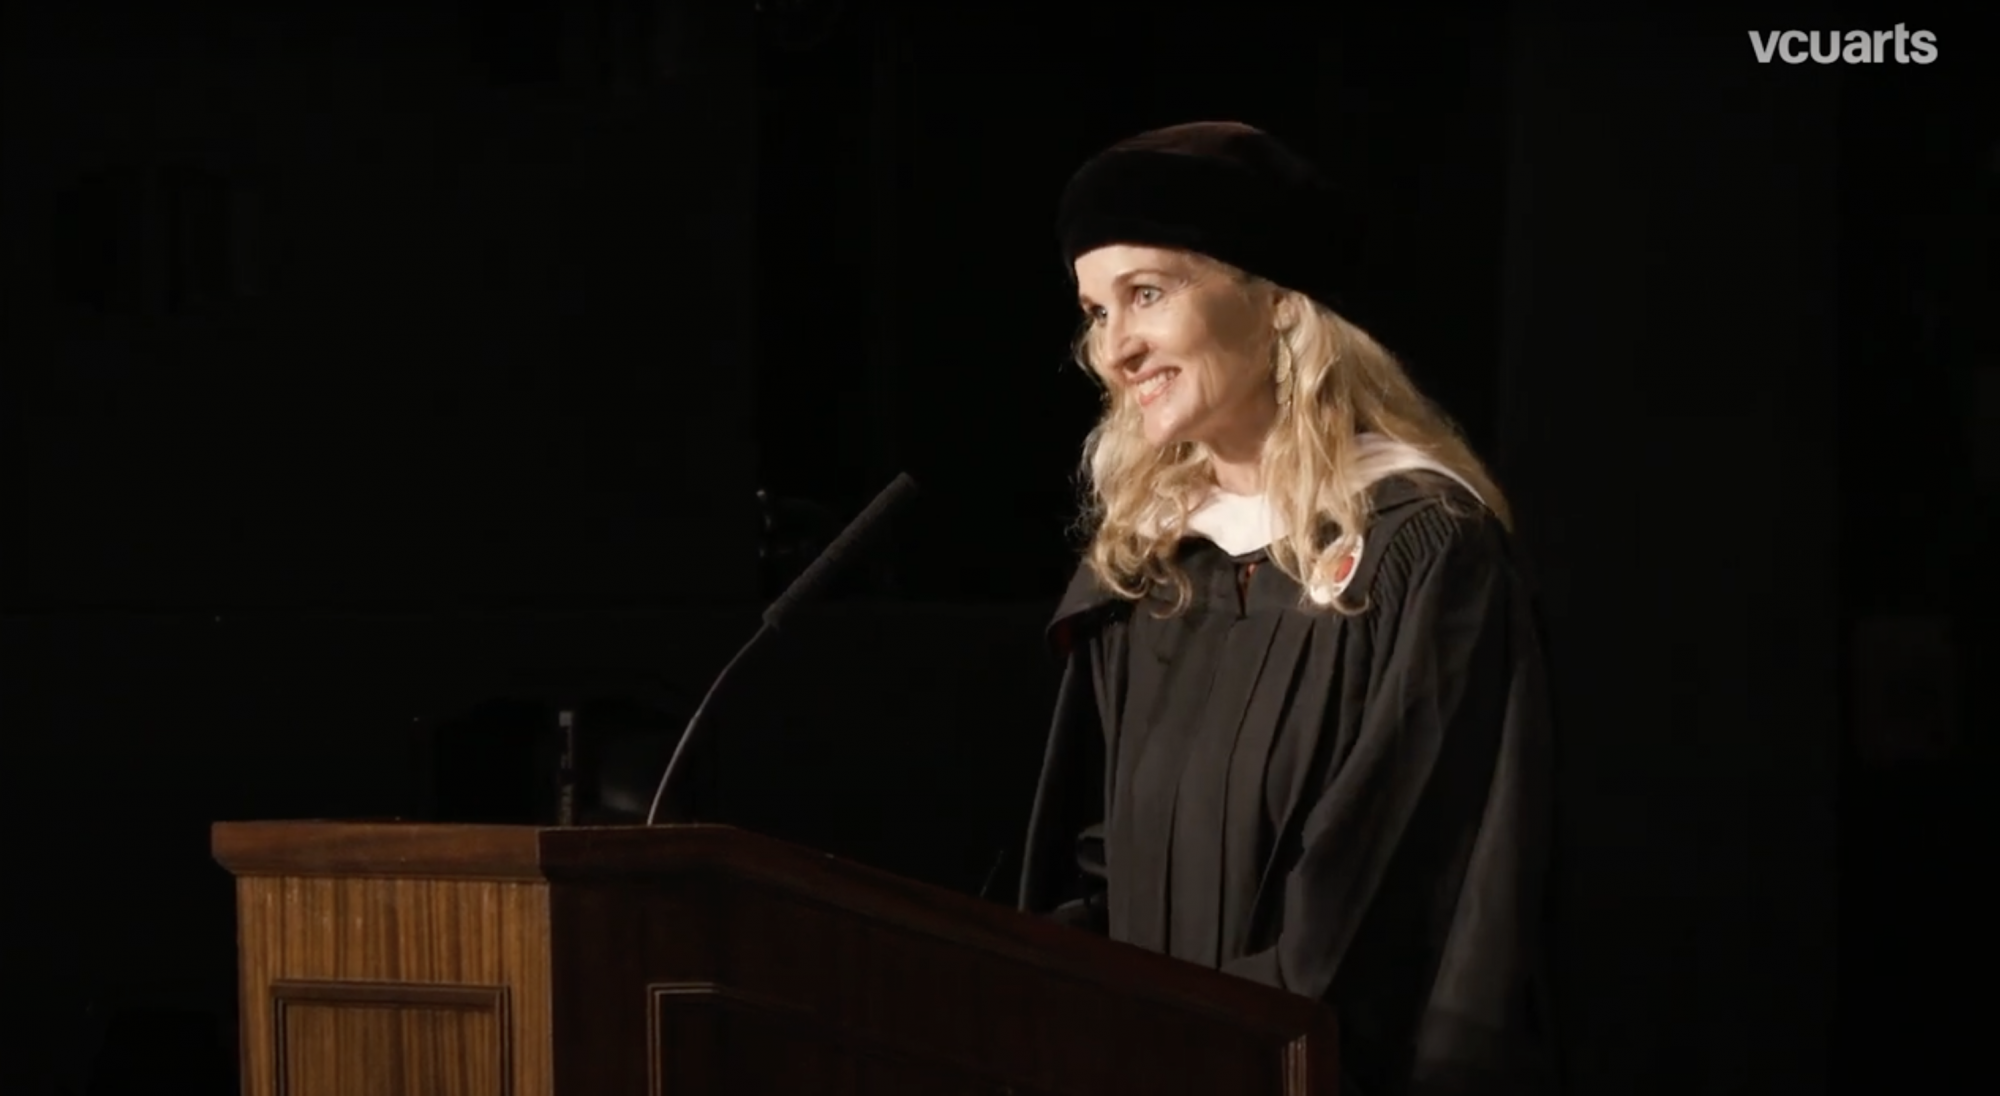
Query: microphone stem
column 685, row 747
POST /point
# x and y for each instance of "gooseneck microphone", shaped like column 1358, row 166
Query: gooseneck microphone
column 803, row 589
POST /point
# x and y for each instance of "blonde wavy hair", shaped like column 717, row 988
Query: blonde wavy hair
column 1335, row 383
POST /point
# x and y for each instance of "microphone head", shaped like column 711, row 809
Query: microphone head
column 900, row 491
column 865, row 524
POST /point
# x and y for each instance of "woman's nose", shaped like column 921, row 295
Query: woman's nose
column 1127, row 349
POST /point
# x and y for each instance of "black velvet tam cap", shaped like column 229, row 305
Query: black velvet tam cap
column 1223, row 189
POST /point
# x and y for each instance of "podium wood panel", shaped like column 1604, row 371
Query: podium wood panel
column 387, row 958
column 427, row 979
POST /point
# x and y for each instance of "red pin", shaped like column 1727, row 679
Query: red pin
column 1344, row 567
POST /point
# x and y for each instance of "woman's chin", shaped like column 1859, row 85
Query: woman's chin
column 1163, row 430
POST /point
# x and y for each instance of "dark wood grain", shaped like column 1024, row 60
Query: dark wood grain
column 704, row 959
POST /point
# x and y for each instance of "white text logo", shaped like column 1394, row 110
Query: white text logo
column 1854, row 47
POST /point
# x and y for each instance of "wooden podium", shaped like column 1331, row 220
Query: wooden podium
column 402, row 959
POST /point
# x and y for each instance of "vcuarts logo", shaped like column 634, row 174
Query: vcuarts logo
column 1853, row 47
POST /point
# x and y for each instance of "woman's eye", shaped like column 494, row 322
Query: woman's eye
column 1146, row 294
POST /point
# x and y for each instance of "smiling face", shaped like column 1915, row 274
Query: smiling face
column 1187, row 340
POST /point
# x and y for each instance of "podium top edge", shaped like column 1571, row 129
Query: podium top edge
column 532, row 855
column 470, row 851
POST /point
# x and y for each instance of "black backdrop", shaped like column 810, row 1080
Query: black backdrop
column 378, row 381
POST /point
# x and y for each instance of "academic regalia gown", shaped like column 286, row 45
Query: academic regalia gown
column 1351, row 808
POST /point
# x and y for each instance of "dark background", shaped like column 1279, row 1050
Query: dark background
column 380, row 379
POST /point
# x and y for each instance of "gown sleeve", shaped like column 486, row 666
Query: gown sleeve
column 1063, row 873
column 1068, row 875
column 1414, row 902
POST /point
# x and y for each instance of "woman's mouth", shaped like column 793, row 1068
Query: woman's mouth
column 1151, row 388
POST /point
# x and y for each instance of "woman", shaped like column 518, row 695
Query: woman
column 1302, row 735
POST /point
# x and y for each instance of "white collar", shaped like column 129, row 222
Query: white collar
column 1244, row 523
column 1237, row 523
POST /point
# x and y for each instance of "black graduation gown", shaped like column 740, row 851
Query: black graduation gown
column 1355, row 809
